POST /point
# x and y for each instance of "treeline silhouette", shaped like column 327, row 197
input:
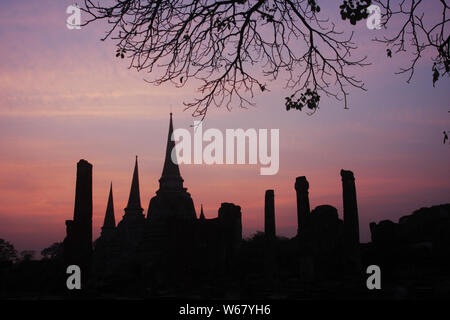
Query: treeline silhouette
column 414, row 261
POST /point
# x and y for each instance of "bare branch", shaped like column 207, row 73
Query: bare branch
column 416, row 36
column 232, row 46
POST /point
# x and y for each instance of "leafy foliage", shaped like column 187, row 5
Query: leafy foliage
column 7, row 251
column 355, row 10
column 52, row 251
column 308, row 99
column 27, row 255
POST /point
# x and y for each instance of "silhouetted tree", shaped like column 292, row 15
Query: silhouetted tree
column 27, row 255
column 7, row 251
column 52, row 251
column 230, row 45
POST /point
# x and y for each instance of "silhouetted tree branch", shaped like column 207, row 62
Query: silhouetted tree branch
column 231, row 45
column 416, row 34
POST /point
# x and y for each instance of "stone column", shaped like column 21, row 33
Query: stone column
column 270, row 254
column 351, row 224
column 83, row 201
column 78, row 242
column 303, row 210
column 306, row 260
column 230, row 227
column 269, row 215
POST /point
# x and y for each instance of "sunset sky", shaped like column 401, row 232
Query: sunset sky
column 64, row 96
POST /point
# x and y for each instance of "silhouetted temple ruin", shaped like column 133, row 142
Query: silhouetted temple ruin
column 173, row 247
column 169, row 243
column 78, row 242
column 327, row 244
column 416, row 240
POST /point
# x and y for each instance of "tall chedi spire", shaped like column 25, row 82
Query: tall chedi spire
column 172, row 199
column 171, row 179
column 134, row 200
column 109, row 224
column 202, row 215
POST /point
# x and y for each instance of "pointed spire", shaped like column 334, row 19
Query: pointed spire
column 202, row 215
column 134, row 201
column 170, row 178
column 110, row 221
